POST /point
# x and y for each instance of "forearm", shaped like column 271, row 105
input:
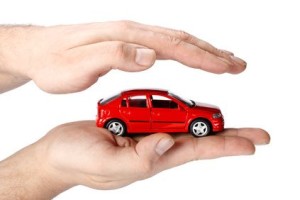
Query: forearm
column 11, row 76
column 9, row 82
column 24, row 176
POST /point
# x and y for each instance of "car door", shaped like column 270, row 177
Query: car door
column 166, row 114
column 137, row 113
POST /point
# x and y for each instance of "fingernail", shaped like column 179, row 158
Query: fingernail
column 145, row 57
column 164, row 145
column 239, row 61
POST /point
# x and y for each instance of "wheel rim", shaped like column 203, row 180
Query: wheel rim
column 116, row 128
column 200, row 129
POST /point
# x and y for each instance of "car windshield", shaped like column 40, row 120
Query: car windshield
column 189, row 103
column 109, row 99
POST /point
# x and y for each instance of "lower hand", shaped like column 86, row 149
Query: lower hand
column 80, row 153
column 96, row 158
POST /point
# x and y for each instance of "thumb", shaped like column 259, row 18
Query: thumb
column 101, row 57
column 129, row 57
column 150, row 148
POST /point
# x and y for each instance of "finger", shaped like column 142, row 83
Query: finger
column 151, row 147
column 99, row 58
column 227, row 52
column 168, row 47
column 255, row 135
column 188, row 149
column 165, row 46
column 184, row 36
column 238, row 64
column 124, row 141
column 139, row 159
column 124, row 25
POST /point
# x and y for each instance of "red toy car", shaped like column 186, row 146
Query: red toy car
column 149, row 111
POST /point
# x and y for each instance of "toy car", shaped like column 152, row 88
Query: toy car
column 149, row 111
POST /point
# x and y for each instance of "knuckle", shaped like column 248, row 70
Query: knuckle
column 183, row 35
column 120, row 50
column 124, row 24
column 175, row 40
column 221, row 53
column 178, row 37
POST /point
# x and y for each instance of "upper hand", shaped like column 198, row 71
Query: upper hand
column 70, row 58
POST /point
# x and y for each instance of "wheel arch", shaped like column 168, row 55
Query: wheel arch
column 108, row 120
column 199, row 118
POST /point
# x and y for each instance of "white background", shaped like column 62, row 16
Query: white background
column 266, row 95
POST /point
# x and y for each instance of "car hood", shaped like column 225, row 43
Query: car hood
column 205, row 105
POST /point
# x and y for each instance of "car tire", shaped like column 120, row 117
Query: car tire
column 200, row 128
column 116, row 127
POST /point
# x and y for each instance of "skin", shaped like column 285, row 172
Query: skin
column 79, row 153
column 47, row 55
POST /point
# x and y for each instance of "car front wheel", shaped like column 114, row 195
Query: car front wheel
column 116, row 127
column 200, row 128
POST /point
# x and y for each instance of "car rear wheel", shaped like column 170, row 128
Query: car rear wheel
column 116, row 127
column 200, row 128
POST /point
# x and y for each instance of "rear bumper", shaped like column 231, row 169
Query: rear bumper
column 100, row 122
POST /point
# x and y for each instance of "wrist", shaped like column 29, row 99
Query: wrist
column 14, row 70
column 18, row 48
column 26, row 175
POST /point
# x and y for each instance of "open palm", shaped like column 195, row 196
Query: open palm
column 83, row 154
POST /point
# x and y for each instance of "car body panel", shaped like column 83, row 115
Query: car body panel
column 141, row 113
column 137, row 118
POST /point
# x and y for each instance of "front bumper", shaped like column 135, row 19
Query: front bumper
column 218, row 124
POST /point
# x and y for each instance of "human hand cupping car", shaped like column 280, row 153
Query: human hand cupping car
column 70, row 58
column 64, row 59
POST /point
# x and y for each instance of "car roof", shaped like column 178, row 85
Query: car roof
column 144, row 91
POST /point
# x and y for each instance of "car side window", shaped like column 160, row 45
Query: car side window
column 123, row 102
column 137, row 101
column 163, row 102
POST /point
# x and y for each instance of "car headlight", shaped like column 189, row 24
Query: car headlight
column 217, row 115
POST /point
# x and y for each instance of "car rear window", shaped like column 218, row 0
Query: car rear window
column 139, row 101
column 109, row 99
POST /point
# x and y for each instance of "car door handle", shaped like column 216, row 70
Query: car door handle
column 126, row 112
column 156, row 114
